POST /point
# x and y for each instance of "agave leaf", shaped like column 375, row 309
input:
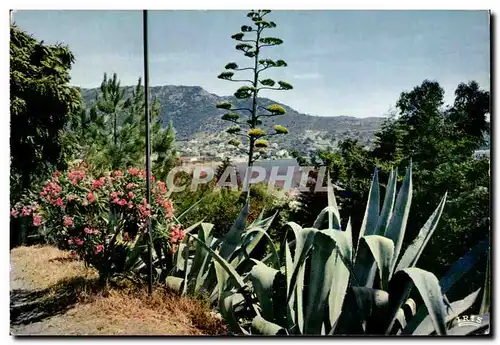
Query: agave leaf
column 201, row 253
column 222, row 278
column 331, row 210
column 364, row 311
column 328, row 247
column 463, row 265
column 203, row 274
column 288, row 275
column 455, row 273
column 134, row 254
column 262, row 278
column 458, row 307
column 411, row 306
column 387, row 208
column 223, row 263
column 337, row 291
column 183, row 248
column 415, row 249
column 186, row 269
column 401, row 319
column 299, row 297
column 397, row 226
column 233, row 238
column 333, row 222
column 374, row 248
column 263, row 233
column 348, row 232
column 264, row 327
column 263, row 223
column 304, row 240
column 175, row 284
column 485, row 303
column 370, row 219
column 429, row 289
column 227, row 302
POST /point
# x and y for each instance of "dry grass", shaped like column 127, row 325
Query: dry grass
column 68, row 301
column 40, row 267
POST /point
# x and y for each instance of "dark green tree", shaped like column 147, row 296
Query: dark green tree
column 111, row 101
column 41, row 102
column 111, row 134
column 251, row 42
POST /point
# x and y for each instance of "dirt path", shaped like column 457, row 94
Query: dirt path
column 52, row 294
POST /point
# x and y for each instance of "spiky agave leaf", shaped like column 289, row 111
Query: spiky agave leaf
column 415, row 249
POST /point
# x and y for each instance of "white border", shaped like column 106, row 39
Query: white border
column 186, row 4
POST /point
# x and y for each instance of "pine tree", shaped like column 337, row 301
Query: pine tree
column 251, row 43
column 111, row 134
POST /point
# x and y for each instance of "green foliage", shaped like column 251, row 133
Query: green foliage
column 441, row 148
column 251, row 46
column 322, row 283
column 101, row 217
column 221, row 205
column 41, row 103
column 111, row 135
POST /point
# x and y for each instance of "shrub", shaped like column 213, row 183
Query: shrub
column 100, row 218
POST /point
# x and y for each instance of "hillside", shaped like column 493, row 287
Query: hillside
column 193, row 113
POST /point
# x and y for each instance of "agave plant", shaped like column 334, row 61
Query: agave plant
column 321, row 283
column 195, row 269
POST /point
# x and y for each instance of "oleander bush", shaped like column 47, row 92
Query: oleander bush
column 102, row 217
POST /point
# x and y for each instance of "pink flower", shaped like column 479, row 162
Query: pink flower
column 70, row 241
column 13, row 212
column 122, row 202
column 133, row 171
column 131, row 195
column 98, row 183
column 68, row 221
column 37, row 220
column 90, row 197
column 176, row 234
column 162, row 186
column 79, row 242
column 169, row 208
column 144, row 212
column 114, row 195
column 59, row 202
column 131, row 185
column 99, row 248
column 26, row 211
column 88, row 231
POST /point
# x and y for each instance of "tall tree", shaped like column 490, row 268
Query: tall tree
column 252, row 43
column 111, row 101
column 468, row 114
column 41, row 102
column 111, row 134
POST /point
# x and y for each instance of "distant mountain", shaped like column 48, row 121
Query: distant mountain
column 192, row 111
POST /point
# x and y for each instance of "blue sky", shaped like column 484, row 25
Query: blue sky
column 353, row 63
